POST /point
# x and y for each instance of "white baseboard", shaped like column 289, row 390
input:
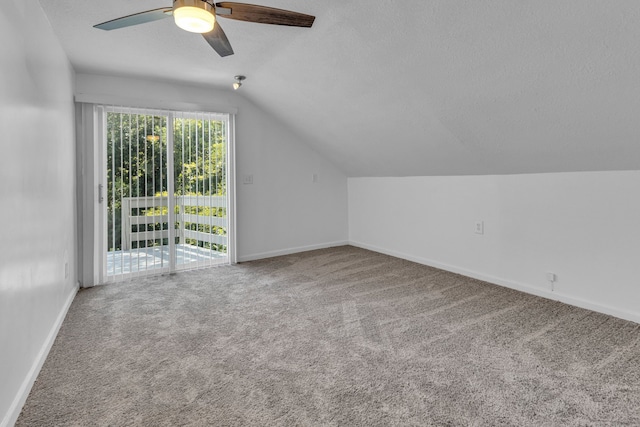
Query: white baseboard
column 12, row 415
column 289, row 251
column 544, row 293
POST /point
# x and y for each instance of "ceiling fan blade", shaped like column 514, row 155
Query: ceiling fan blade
column 264, row 15
column 219, row 41
column 136, row 18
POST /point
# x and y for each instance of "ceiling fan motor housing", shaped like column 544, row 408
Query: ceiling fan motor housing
column 194, row 3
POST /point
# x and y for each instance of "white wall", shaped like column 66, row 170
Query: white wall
column 37, row 196
column 582, row 226
column 283, row 211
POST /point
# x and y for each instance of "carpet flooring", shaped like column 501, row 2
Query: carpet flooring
column 335, row 337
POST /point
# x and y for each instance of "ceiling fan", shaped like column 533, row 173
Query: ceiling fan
column 199, row 16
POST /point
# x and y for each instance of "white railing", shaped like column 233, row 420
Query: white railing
column 155, row 204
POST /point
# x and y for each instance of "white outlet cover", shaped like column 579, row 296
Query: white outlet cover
column 479, row 227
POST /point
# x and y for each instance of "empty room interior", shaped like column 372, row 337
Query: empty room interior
column 362, row 213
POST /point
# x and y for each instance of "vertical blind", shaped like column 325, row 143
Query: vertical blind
column 165, row 188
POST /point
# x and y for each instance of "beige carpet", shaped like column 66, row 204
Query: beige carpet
column 336, row 337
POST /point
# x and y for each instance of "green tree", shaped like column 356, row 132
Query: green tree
column 137, row 167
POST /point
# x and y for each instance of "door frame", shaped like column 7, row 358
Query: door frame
column 100, row 206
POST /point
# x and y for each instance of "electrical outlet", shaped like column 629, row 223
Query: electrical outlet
column 479, row 227
column 247, row 179
column 315, row 178
column 66, row 270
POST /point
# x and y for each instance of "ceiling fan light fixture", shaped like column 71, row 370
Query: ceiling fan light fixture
column 195, row 16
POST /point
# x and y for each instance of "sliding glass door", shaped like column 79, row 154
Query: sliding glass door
column 164, row 194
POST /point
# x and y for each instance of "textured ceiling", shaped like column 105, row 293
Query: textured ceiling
column 428, row 87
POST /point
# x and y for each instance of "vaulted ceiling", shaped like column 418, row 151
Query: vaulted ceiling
column 420, row 87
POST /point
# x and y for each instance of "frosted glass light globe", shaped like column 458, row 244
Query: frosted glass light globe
column 194, row 16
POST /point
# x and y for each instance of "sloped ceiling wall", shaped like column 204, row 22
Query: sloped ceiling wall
column 436, row 87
